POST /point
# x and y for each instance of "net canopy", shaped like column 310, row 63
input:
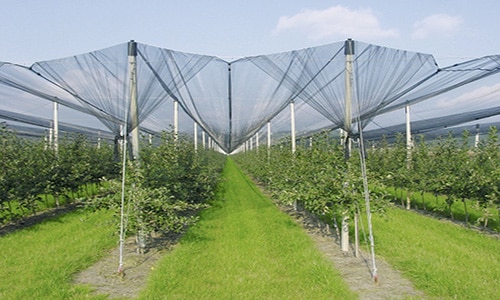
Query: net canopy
column 232, row 101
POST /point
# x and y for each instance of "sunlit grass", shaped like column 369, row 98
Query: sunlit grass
column 442, row 259
column 245, row 248
column 39, row 262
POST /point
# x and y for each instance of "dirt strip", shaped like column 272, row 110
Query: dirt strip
column 356, row 271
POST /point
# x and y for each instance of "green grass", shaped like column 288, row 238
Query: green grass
column 442, row 259
column 245, row 248
column 39, row 262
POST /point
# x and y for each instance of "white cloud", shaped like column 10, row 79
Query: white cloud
column 336, row 21
column 436, row 25
column 481, row 95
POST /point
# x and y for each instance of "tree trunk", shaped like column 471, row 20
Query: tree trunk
column 450, row 203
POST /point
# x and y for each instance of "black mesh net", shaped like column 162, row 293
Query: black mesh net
column 231, row 101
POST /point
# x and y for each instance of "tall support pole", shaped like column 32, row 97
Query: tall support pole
column 134, row 115
column 476, row 140
column 51, row 135
column 409, row 147
column 349, row 52
column 268, row 135
column 268, row 141
column 176, row 119
column 203, row 139
column 56, row 127
column 292, row 120
column 257, row 141
column 409, row 144
column 230, row 105
column 195, row 133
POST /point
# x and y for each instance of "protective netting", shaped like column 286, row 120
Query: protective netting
column 231, row 101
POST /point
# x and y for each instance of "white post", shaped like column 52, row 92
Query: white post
column 349, row 52
column 292, row 120
column 51, row 136
column 99, row 139
column 476, row 140
column 56, row 127
column 257, row 141
column 409, row 144
column 176, row 119
column 203, row 139
column 134, row 112
column 195, row 133
column 268, row 135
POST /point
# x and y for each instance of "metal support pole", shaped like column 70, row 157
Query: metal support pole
column 268, row 134
column 349, row 52
column 176, row 119
column 134, row 112
column 409, row 144
column 292, row 120
column 257, row 141
column 476, row 140
column 195, row 133
column 56, row 127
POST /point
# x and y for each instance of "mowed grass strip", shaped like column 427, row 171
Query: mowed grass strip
column 39, row 262
column 245, row 248
column 442, row 259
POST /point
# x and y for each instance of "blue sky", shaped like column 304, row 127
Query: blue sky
column 34, row 30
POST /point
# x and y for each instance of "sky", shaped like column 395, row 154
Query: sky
column 453, row 31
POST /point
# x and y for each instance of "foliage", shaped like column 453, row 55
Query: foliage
column 317, row 178
column 165, row 188
column 450, row 167
column 31, row 170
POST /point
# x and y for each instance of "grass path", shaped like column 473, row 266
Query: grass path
column 245, row 248
column 445, row 260
column 39, row 262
